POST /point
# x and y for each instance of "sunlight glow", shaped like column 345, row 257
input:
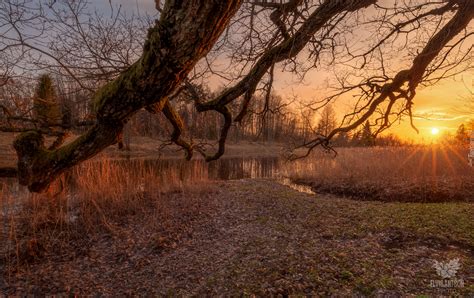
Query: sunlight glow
column 435, row 131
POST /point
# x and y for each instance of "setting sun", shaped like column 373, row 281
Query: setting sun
column 435, row 131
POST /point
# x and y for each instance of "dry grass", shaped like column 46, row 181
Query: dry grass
column 140, row 227
column 92, row 200
column 257, row 237
column 419, row 174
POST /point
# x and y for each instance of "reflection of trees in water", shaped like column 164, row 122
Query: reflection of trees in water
column 238, row 168
column 172, row 169
column 224, row 169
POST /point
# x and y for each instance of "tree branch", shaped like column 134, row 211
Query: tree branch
column 413, row 76
column 173, row 47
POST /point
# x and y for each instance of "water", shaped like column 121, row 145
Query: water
column 173, row 170
column 222, row 169
column 137, row 174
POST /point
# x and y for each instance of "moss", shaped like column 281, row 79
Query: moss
column 364, row 288
column 128, row 80
column 103, row 94
column 117, row 88
column 346, row 275
column 66, row 152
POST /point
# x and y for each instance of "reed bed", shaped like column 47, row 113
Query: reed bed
column 96, row 198
column 411, row 174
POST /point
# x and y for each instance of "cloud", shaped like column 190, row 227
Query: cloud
column 439, row 116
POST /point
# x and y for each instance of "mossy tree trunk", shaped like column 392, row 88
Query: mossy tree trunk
column 185, row 32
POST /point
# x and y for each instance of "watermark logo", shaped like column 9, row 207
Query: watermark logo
column 447, row 271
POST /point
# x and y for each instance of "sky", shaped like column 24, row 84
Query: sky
column 128, row 5
column 443, row 106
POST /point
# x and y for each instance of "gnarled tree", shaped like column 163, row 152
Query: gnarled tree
column 262, row 37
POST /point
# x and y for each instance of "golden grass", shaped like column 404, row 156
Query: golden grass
column 102, row 195
column 422, row 174
column 105, row 205
column 98, row 196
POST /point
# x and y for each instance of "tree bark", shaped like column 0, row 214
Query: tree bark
column 185, row 33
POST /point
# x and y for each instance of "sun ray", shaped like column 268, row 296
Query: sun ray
column 434, row 164
column 408, row 158
column 420, row 171
column 448, row 160
column 460, row 158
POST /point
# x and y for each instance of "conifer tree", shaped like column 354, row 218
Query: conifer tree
column 47, row 110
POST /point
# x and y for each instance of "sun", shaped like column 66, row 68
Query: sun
column 435, row 131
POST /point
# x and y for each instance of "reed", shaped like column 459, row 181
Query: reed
column 423, row 174
column 99, row 196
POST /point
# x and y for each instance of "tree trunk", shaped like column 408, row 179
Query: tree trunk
column 185, row 33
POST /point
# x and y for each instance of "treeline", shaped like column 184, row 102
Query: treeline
column 270, row 118
column 461, row 136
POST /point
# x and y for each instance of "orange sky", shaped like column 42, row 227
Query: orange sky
column 444, row 106
column 441, row 106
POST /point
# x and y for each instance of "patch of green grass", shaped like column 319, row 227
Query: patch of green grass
column 346, row 275
column 364, row 268
column 449, row 220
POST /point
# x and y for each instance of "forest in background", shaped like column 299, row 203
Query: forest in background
column 54, row 104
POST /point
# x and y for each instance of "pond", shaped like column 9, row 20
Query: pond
column 233, row 168
column 223, row 169
column 172, row 170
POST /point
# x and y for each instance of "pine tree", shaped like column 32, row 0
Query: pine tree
column 45, row 103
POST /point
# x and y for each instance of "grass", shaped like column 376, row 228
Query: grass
column 120, row 228
column 236, row 237
column 92, row 199
column 414, row 174
column 344, row 247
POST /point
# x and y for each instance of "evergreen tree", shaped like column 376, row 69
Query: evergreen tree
column 45, row 102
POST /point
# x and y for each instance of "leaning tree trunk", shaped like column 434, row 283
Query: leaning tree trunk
column 185, row 33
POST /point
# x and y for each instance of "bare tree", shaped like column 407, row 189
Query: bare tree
column 327, row 123
column 258, row 38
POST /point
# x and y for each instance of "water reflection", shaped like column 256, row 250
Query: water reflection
column 168, row 171
column 222, row 169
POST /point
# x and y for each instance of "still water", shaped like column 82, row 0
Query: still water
column 172, row 170
column 222, row 169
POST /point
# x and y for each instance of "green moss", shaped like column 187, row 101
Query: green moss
column 103, row 95
column 346, row 275
column 123, row 84
column 365, row 288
